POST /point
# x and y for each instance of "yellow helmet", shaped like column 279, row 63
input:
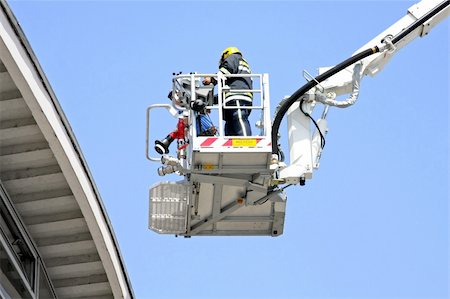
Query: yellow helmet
column 227, row 52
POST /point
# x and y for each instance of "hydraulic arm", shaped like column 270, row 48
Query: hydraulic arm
column 344, row 78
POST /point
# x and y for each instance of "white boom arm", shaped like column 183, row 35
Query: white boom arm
column 344, row 82
column 305, row 147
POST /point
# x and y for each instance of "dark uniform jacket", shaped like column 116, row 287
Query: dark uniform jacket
column 236, row 64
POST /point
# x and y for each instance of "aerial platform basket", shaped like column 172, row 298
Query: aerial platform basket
column 226, row 179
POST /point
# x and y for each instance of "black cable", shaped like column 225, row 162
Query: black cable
column 322, row 138
column 420, row 21
column 282, row 189
column 281, row 156
column 261, row 203
column 302, row 90
column 274, row 190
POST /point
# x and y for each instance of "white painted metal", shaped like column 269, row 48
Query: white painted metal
column 300, row 146
column 168, row 207
column 317, row 141
column 341, row 83
column 225, row 176
column 305, row 146
column 172, row 111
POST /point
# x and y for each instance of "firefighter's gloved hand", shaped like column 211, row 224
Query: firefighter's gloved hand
column 198, row 105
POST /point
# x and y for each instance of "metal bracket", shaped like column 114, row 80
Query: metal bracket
column 275, row 196
column 389, row 45
column 203, row 178
column 227, row 210
column 308, row 77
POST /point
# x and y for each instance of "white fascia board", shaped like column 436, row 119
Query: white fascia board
column 29, row 79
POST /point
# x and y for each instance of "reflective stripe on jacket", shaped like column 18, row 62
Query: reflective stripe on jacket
column 236, row 64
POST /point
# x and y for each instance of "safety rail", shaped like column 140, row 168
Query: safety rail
column 217, row 195
column 189, row 85
column 186, row 90
column 172, row 111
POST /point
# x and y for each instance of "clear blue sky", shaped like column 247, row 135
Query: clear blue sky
column 373, row 223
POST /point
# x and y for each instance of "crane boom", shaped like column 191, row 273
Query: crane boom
column 343, row 82
column 234, row 185
column 306, row 146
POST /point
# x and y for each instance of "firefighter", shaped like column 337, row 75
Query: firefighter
column 236, row 120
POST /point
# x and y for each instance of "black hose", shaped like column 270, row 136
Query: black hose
column 302, row 90
column 420, row 21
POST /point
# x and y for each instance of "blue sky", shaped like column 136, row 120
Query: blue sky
column 373, row 222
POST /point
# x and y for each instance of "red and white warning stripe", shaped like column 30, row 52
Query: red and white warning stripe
column 212, row 142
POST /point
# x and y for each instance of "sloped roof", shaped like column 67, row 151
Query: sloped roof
column 48, row 180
